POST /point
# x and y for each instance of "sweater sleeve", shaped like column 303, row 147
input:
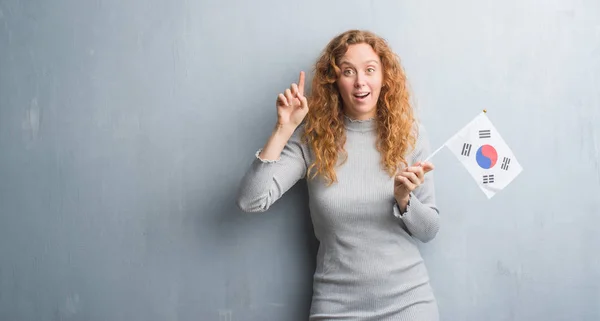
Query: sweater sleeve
column 421, row 217
column 266, row 181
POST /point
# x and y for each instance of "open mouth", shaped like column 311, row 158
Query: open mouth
column 361, row 96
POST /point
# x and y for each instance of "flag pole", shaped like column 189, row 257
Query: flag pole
column 443, row 145
column 435, row 152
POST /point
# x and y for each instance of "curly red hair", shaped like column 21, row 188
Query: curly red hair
column 324, row 129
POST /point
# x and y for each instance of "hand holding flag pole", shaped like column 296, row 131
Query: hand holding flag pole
column 483, row 163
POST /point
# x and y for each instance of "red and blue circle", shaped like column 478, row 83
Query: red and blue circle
column 486, row 156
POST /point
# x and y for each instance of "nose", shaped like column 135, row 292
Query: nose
column 360, row 80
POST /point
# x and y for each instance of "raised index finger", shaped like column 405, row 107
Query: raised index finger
column 301, row 83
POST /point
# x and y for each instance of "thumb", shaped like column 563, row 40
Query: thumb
column 427, row 166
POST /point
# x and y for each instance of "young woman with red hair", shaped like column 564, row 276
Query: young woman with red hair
column 358, row 144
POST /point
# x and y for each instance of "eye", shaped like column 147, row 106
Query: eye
column 348, row 72
column 371, row 69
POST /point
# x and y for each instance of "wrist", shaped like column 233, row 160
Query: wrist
column 403, row 202
column 284, row 130
column 276, row 142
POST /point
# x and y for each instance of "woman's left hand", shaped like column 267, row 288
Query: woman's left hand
column 408, row 180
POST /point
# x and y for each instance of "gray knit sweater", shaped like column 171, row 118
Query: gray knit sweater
column 368, row 263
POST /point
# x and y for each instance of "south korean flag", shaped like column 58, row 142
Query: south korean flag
column 481, row 149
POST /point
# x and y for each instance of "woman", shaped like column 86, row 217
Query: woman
column 360, row 148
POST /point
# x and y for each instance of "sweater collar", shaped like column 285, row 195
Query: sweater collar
column 359, row 125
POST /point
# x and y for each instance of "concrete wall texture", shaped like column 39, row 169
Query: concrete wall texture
column 125, row 127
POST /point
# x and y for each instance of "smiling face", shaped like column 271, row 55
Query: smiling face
column 360, row 80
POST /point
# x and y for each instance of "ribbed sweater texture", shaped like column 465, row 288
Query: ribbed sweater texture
column 368, row 264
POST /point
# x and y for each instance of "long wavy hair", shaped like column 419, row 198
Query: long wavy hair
column 324, row 124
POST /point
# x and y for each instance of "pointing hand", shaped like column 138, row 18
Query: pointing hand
column 292, row 106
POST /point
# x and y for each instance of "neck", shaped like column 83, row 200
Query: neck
column 364, row 116
column 359, row 125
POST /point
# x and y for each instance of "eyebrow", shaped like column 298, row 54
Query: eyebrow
column 367, row 62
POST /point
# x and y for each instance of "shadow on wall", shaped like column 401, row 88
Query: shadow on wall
column 250, row 240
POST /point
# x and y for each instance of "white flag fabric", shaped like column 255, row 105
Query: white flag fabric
column 486, row 156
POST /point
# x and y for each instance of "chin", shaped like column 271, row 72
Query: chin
column 363, row 112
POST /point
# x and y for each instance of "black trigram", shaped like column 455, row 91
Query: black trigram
column 466, row 150
column 505, row 163
column 488, row 179
column 486, row 133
